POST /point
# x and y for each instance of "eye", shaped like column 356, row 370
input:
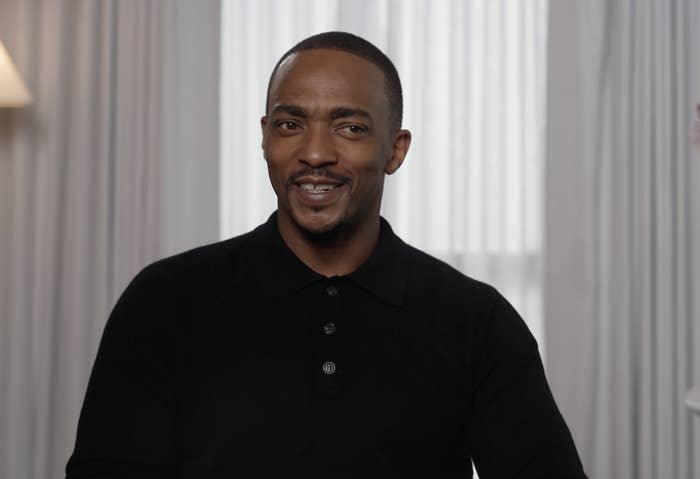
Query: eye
column 353, row 130
column 287, row 126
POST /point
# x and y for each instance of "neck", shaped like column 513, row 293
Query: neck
column 337, row 256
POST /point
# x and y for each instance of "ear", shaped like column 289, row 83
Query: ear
column 400, row 144
column 263, row 127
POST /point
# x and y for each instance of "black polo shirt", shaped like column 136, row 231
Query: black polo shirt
column 237, row 360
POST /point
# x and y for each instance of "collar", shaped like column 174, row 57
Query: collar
column 281, row 273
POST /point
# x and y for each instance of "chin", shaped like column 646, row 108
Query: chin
column 318, row 227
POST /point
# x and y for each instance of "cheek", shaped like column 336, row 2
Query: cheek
column 273, row 157
column 364, row 158
column 371, row 170
column 277, row 176
column 278, row 161
column 369, row 183
column 281, row 149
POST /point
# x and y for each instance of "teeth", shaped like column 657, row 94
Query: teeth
column 316, row 188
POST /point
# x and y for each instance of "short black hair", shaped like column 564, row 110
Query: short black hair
column 347, row 42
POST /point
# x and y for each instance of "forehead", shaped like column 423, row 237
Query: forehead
column 327, row 78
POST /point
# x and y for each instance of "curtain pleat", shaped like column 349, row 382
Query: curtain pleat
column 86, row 173
column 628, row 313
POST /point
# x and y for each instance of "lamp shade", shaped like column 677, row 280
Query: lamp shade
column 13, row 91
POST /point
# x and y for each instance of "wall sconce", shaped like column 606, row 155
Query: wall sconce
column 13, row 91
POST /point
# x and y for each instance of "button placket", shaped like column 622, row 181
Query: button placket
column 329, row 344
column 329, row 328
column 328, row 367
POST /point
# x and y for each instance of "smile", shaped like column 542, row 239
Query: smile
column 316, row 194
column 317, row 187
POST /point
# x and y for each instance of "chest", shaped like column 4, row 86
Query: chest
column 330, row 365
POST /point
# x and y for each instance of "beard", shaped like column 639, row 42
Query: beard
column 325, row 235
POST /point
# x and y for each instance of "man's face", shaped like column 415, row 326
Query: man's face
column 327, row 140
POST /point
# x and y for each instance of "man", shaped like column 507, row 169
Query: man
column 320, row 344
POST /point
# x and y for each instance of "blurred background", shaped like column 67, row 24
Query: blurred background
column 555, row 155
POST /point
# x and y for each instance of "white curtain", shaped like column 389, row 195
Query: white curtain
column 473, row 79
column 622, row 275
column 114, row 165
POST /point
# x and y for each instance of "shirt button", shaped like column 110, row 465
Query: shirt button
column 331, row 290
column 329, row 367
column 329, row 328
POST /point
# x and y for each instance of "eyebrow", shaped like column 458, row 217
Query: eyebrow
column 290, row 109
column 344, row 112
column 334, row 114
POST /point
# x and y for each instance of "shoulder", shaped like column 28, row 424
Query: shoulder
column 207, row 258
column 433, row 277
column 471, row 315
column 447, row 292
column 203, row 268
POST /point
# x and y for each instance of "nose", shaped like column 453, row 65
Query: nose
column 318, row 149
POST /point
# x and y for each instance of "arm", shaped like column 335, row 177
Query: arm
column 517, row 430
column 127, row 426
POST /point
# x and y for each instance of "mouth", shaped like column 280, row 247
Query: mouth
column 318, row 191
column 318, row 187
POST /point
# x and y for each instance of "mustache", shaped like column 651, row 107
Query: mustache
column 319, row 173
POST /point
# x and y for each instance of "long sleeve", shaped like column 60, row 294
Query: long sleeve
column 127, row 426
column 517, row 430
